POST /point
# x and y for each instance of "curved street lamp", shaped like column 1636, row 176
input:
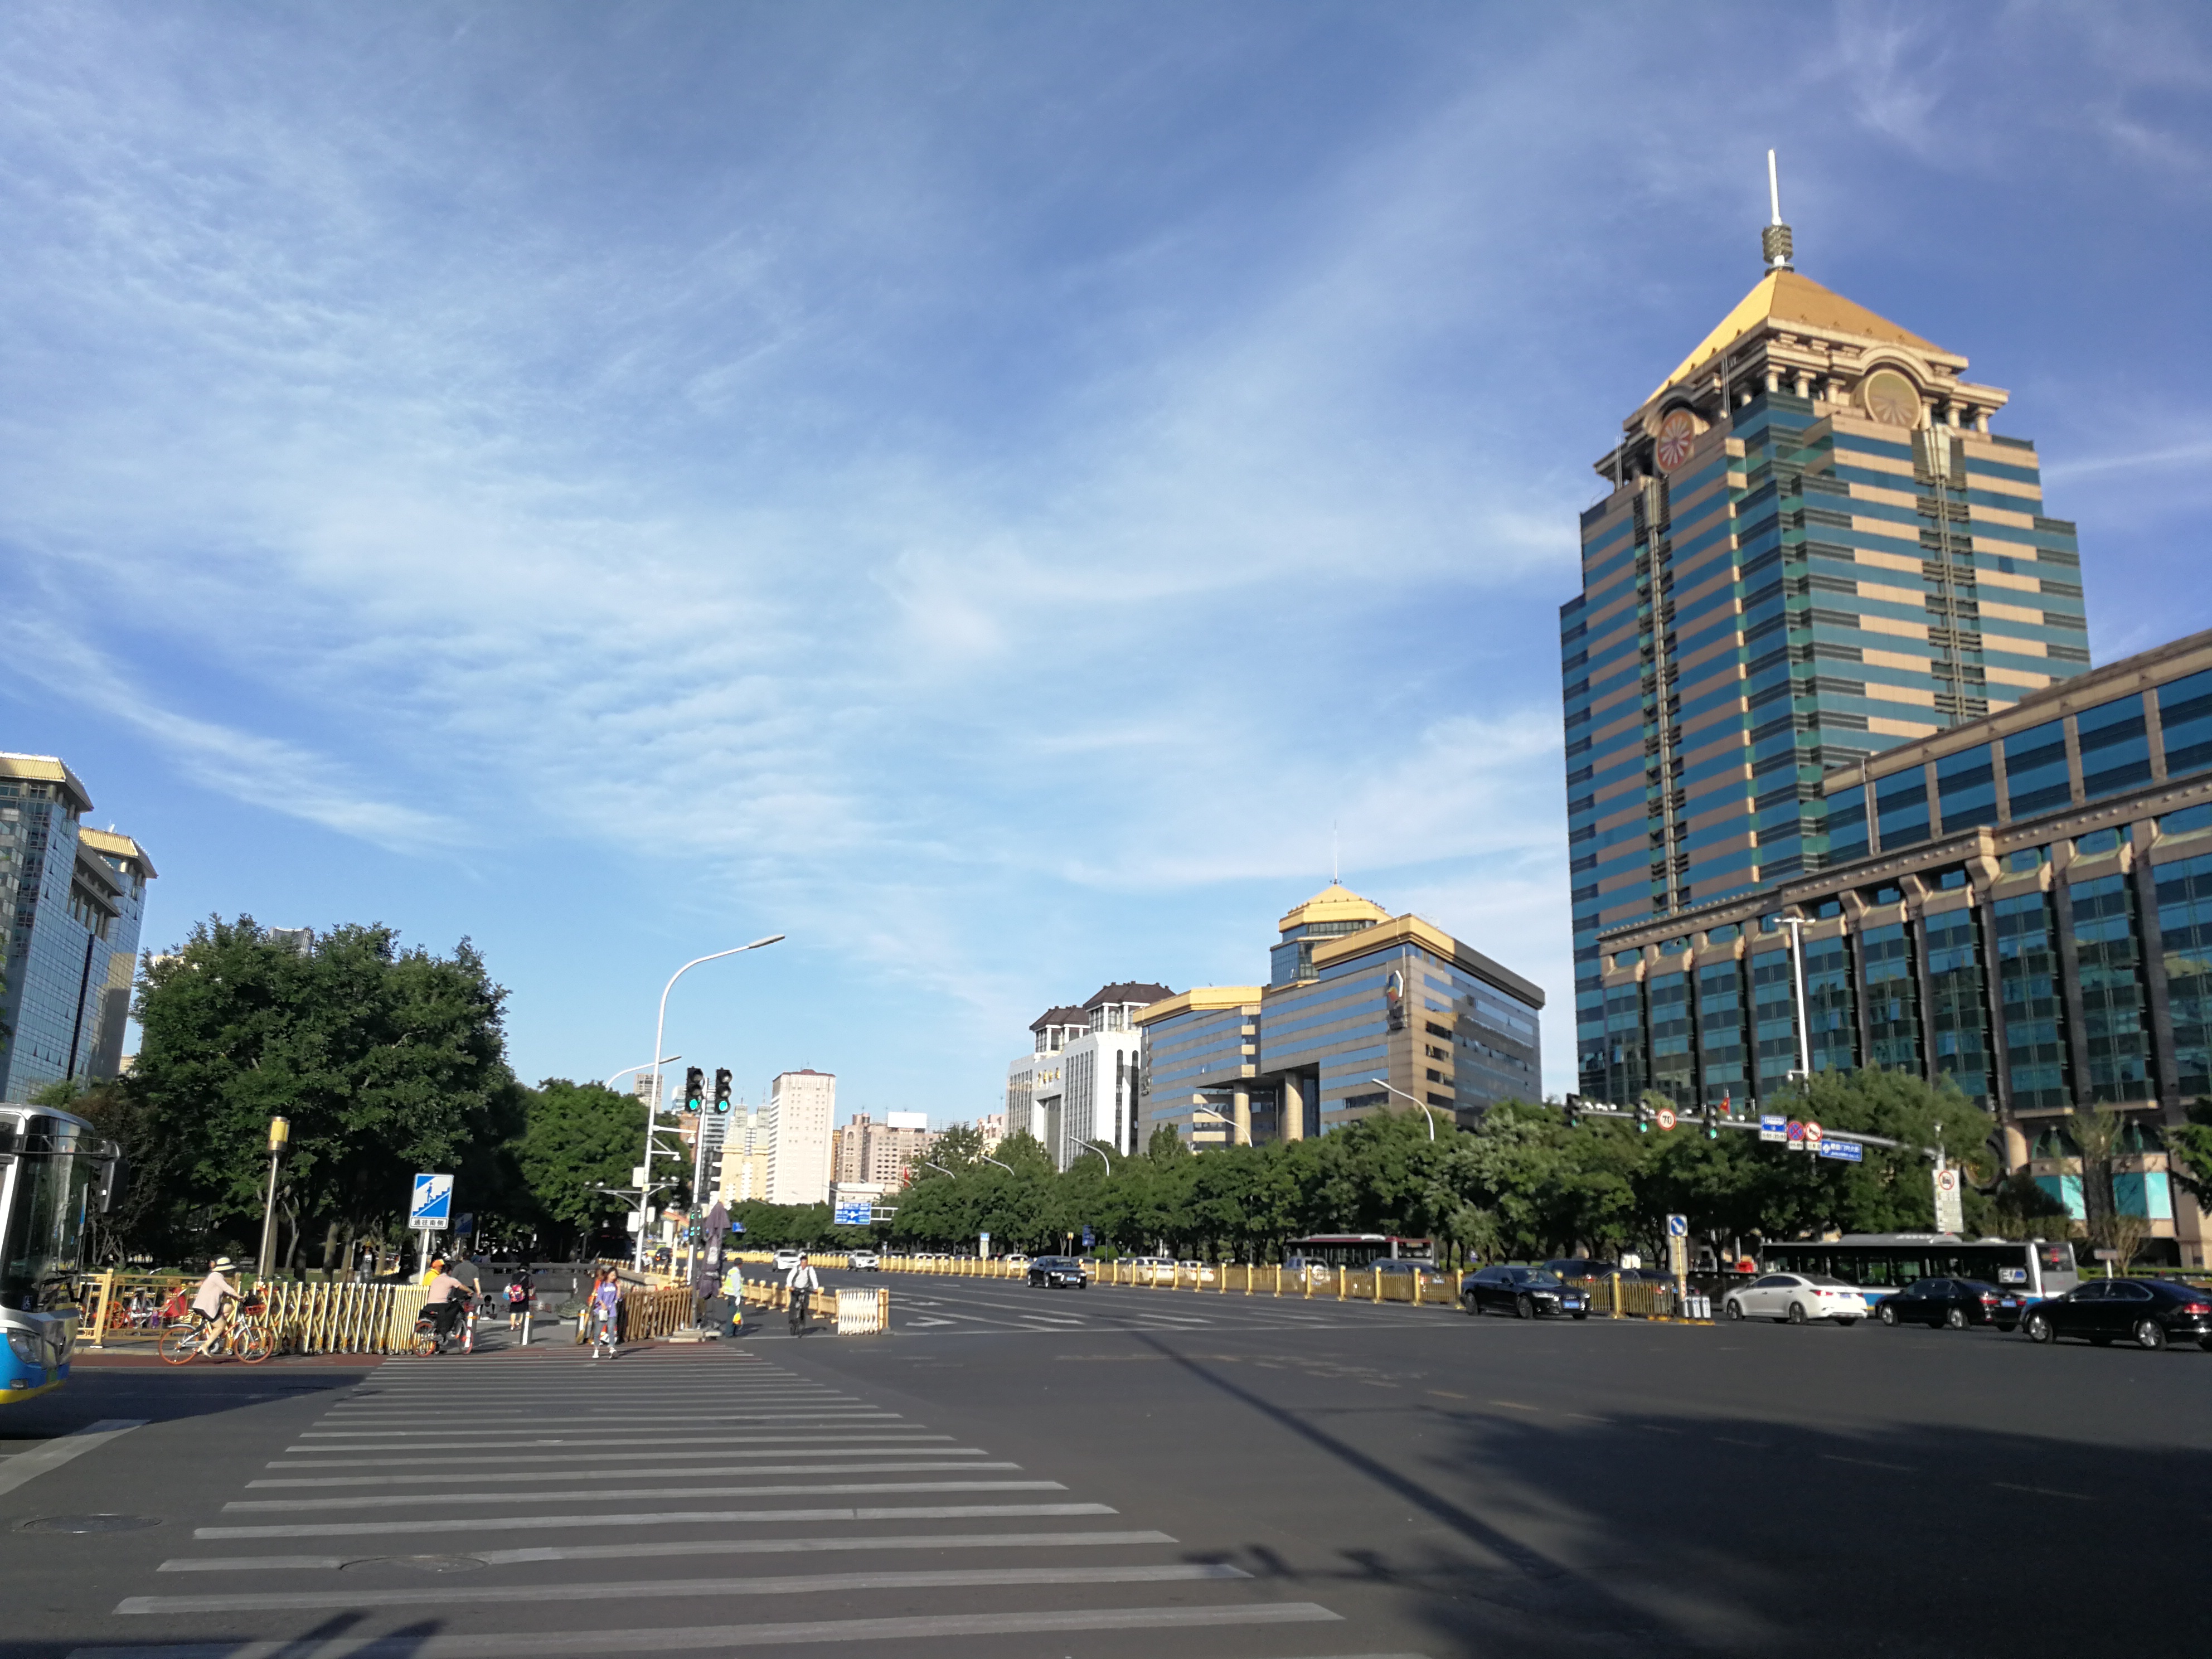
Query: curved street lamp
column 659, row 1032
column 1426, row 1110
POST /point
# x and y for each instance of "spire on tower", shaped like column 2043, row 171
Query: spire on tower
column 1774, row 244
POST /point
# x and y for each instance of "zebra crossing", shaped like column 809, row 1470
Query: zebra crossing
column 676, row 1499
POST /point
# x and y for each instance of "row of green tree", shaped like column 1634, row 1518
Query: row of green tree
column 386, row 1061
column 1524, row 1183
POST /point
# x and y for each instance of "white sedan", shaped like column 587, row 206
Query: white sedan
column 1799, row 1298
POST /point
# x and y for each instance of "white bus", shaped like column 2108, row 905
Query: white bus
column 1890, row 1261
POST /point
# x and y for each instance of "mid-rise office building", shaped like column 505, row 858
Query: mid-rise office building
column 1812, row 547
column 1364, row 1013
column 879, row 1154
column 801, row 1107
column 75, row 899
column 2022, row 904
column 1077, row 1086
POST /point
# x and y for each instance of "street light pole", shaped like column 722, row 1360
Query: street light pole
column 280, row 1135
column 652, row 1104
column 1427, row 1110
column 1797, row 926
column 649, row 1065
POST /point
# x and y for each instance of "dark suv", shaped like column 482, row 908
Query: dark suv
column 1056, row 1273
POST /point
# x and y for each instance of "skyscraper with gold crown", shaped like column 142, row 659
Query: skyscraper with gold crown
column 1812, row 546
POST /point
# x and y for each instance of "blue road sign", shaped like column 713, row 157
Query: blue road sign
column 432, row 1205
column 1677, row 1226
column 853, row 1211
column 1087, row 1240
column 1848, row 1150
column 1771, row 1126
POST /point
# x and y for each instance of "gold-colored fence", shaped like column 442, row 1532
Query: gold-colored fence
column 317, row 1317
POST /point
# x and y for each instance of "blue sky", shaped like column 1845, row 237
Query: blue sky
column 979, row 489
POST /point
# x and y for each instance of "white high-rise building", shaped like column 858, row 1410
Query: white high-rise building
column 801, row 1107
column 1078, row 1085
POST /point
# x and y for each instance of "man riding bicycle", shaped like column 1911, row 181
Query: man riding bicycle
column 799, row 1287
column 444, row 1300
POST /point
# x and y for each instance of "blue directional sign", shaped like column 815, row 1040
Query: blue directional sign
column 432, row 1205
column 1849, row 1152
column 1677, row 1226
column 853, row 1211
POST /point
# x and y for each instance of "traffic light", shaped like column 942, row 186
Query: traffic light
column 1643, row 1119
column 1712, row 1122
column 722, row 1091
column 1574, row 1110
column 695, row 1087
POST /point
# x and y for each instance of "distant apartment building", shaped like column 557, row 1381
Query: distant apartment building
column 1364, row 1013
column 75, row 898
column 1078, row 1085
column 801, row 1108
column 879, row 1154
column 745, row 1157
column 992, row 1126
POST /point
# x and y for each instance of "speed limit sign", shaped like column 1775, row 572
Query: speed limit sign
column 1666, row 1117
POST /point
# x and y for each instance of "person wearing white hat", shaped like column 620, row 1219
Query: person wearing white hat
column 212, row 1306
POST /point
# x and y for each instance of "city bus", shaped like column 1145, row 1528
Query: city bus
column 55, row 1173
column 1890, row 1261
column 1355, row 1250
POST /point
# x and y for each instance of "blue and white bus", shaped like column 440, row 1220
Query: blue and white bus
column 56, row 1172
column 1890, row 1261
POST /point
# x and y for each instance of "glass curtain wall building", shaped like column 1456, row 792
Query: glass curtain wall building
column 1355, row 994
column 2025, row 907
column 1811, row 547
column 75, row 897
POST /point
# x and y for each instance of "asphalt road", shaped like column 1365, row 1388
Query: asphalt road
column 1278, row 1482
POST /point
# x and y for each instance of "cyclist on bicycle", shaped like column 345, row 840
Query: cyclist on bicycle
column 444, row 1300
column 799, row 1287
column 213, row 1306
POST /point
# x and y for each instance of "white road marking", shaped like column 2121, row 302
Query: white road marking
column 631, row 1474
column 941, row 1540
column 858, row 1445
column 628, row 1639
column 28, row 1466
column 777, row 1584
column 650, row 1518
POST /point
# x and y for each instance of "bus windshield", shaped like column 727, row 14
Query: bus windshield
column 46, row 1200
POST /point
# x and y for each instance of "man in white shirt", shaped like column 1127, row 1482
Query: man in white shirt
column 799, row 1284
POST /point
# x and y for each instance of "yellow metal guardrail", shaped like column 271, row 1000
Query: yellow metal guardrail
column 316, row 1316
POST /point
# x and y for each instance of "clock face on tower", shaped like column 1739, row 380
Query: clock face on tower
column 1677, row 433
column 1890, row 399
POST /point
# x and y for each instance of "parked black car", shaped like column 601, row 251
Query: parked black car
column 1956, row 1302
column 2149, row 1312
column 1524, row 1292
column 1055, row 1273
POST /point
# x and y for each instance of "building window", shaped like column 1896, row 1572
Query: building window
column 2185, row 922
column 1958, row 1021
column 2115, row 747
column 1624, row 1037
column 1900, row 803
column 2035, row 769
column 2184, row 719
column 1721, row 1047
column 1966, row 789
column 1831, row 1022
column 1847, row 826
column 1774, row 1009
column 1892, row 988
column 1672, row 1064
column 2036, row 1064
column 2112, row 1002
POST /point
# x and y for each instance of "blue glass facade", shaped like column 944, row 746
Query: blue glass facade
column 75, row 898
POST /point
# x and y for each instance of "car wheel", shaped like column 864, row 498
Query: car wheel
column 1796, row 1313
column 1523, row 1308
column 1889, row 1317
column 2149, row 1333
column 1955, row 1319
column 1732, row 1308
column 2038, row 1326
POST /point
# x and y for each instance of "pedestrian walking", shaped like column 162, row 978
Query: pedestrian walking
column 734, row 1290
column 519, row 1292
column 606, row 1308
column 799, row 1284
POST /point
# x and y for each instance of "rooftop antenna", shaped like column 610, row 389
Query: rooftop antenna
column 1774, row 245
column 1336, row 865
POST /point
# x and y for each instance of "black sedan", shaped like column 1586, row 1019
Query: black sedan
column 1057, row 1273
column 1524, row 1292
column 1953, row 1303
column 2148, row 1312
